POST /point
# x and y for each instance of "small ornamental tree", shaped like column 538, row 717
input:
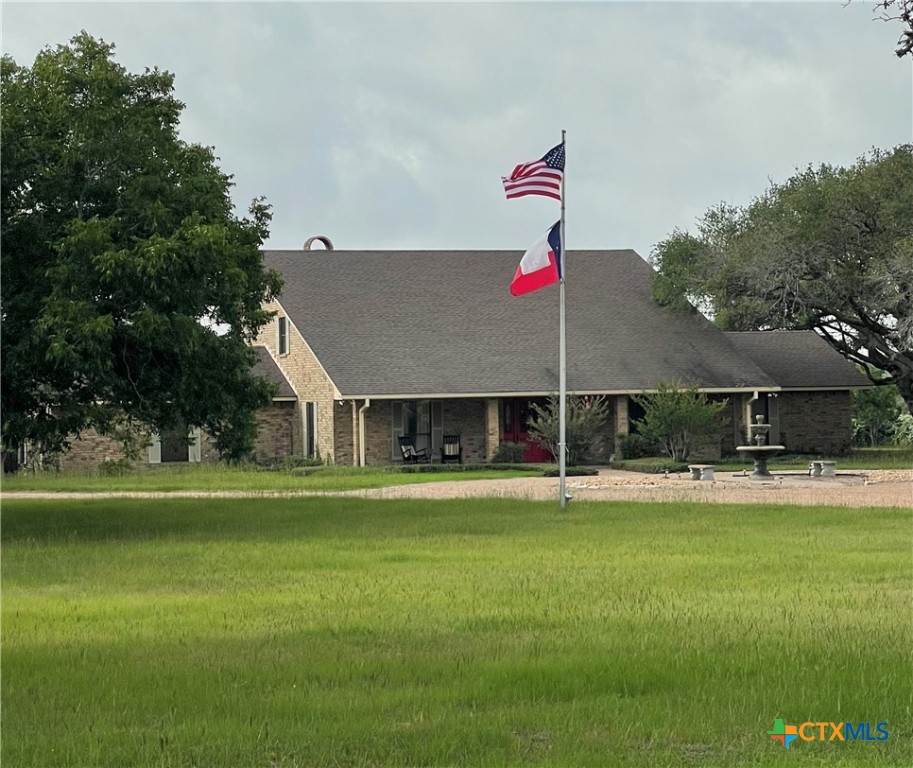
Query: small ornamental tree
column 679, row 418
column 585, row 425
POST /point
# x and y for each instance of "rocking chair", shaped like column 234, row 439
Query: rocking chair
column 451, row 449
column 411, row 454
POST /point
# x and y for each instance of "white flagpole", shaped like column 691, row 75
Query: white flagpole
column 562, row 357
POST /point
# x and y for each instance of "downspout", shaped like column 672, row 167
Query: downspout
column 361, row 430
column 354, row 436
column 756, row 396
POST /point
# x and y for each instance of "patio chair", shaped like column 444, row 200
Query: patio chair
column 411, row 454
column 451, row 449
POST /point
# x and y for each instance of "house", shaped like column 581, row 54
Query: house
column 811, row 412
column 278, row 433
column 378, row 344
column 368, row 346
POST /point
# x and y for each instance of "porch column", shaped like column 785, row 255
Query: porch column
column 493, row 428
column 622, row 422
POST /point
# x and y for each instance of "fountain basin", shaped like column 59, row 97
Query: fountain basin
column 759, row 454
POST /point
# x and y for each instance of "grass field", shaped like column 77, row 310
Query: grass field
column 345, row 632
column 219, row 477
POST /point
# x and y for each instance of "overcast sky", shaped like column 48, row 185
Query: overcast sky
column 388, row 125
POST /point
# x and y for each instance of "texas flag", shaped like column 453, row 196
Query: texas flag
column 540, row 265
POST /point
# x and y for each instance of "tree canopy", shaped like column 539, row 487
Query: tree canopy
column 902, row 11
column 830, row 249
column 130, row 288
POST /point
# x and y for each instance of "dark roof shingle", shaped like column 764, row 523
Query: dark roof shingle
column 266, row 368
column 443, row 322
column 798, row 359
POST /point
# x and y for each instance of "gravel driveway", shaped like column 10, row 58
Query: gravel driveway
column 869, row 488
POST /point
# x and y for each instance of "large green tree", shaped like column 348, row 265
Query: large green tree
column 830, row 249
column 130, row 289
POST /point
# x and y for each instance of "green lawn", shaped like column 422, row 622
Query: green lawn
column 219, row 477
column 347, row 632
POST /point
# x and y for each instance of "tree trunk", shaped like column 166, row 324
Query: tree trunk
column 905, row 388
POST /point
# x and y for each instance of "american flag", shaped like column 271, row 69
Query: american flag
column 538, row 177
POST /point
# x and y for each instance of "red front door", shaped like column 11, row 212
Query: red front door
column 515, row 414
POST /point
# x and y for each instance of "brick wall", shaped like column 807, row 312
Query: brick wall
column 469, row 419
column 276, row 431
column 345, row 444
column 89, row 450
column 378, row 432
column 310, row 382
column 816, row 422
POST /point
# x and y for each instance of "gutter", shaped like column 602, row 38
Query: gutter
column 361, row 431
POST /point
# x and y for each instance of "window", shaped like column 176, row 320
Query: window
column 424, row 419
column 282, row 341
column 310, row 430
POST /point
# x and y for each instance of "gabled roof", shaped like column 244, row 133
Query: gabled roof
column 266, row 368
column 798, row 359
column 386, row 323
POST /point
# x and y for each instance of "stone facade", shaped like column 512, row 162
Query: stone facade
column 816, row 422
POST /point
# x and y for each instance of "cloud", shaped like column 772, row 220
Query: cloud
column 388, row 125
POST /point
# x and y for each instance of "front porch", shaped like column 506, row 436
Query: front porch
column 368, row 431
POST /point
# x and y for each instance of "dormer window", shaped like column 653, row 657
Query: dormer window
column 282, row 335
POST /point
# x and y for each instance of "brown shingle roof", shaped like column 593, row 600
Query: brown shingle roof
column 443, row 322
column 266, row 368
column 798, row 359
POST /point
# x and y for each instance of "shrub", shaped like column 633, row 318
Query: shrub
column 636, row 446
column 903, row 430
column 294, row 462
column 509, row 453
column 679, row 418
column 584, row 426
column 875, row 412
column 652, row 466
column 571, row 472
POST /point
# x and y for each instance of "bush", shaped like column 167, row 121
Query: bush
column 652, row 466
column 679, row 418
column 509, row 453
column 636, row 446
column 571, row 472
column 875, row 412
column 902, row 432
column 584, row 426
column 408, row 469
column 437, row 468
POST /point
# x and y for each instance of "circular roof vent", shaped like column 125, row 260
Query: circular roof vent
column 327, row 243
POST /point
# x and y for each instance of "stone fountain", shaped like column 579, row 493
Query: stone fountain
column 759, row 451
